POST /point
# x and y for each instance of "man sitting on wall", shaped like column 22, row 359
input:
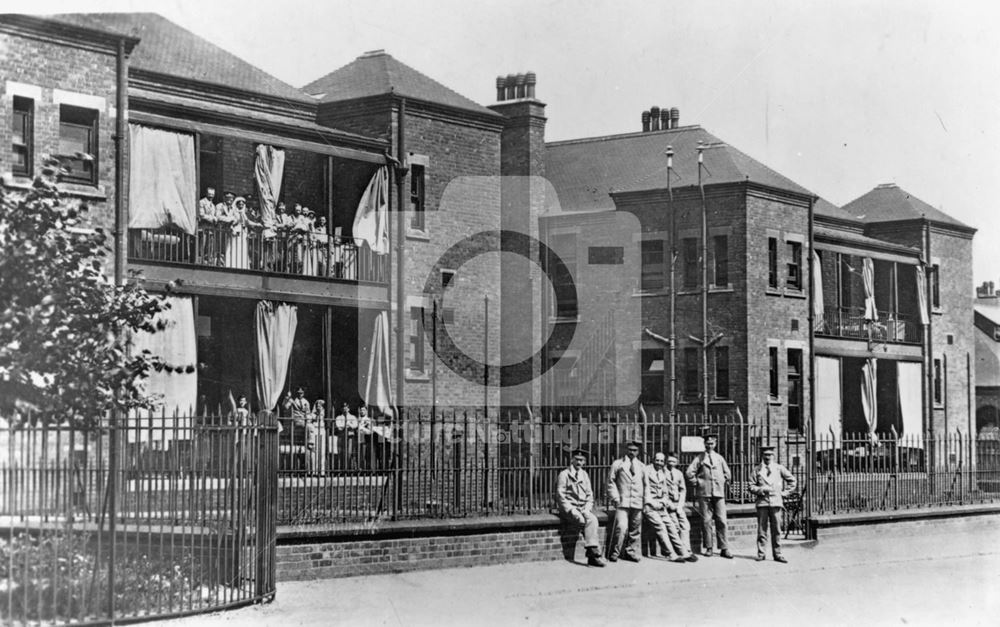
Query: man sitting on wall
column 575, row 499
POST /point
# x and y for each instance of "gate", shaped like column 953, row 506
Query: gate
column 147, row 517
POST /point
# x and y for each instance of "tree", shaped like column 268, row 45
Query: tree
column 64, row 325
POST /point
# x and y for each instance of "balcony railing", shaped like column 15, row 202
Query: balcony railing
column 849, row 322
column 257, row 250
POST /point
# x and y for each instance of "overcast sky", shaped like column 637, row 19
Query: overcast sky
column 839, row 96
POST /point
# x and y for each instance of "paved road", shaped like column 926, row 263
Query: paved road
column 929, row 576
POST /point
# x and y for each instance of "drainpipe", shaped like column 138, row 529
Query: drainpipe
column 704, row 287
column 808, row 428
column 673, row 290
column 400, row 236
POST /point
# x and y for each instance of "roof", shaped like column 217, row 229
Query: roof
column 586, row 171
column 890, row 203
column 378, row 73
column 166, row 48
column 825, row 208
column 987, row 349
column 990, row 312
column 851, row 237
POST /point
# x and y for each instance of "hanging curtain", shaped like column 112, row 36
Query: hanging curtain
column 371, row 221
column 378, row 390
column 269, row 168
column 176, row 389
column 827, row 423
column 868, row 276
column 275, row 326
column 868, row 399
column 817, row 283
column 908, row 381
column 922, row 293
column 162, row 181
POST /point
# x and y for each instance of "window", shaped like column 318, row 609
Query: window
column 78, row 135
column 794, row 280
column 721, row 372
column 22, row 136
column 936, row 286
column 416, row 339
column 938, row 378
column 210, row 158
column 721, row 247
column 564, row 245
column 691, row 373
column 690, row 247
column 772, row 354
column 447, row 276
column 795, row 389
column 653, row 267
column 417, row 183
column 652, row 375
column 772, row 262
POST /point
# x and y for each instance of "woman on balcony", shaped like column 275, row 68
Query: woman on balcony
column 238, row 245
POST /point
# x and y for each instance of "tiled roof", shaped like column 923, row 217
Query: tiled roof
column 825, row 208
column 889, row 203
column 586, row 171
column 166, row 48
column 987, row 349
column 378, row 73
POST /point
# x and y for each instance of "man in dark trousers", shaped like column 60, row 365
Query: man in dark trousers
column 575, row 498
column 770, row 483
column 627, row 488
column 709, row 474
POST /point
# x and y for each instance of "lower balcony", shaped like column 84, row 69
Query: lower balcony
column 850, row 323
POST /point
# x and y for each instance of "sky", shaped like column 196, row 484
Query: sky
column 839, row 96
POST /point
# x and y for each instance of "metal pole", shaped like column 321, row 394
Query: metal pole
column 486, row 397
column 704, row 286
column 400, row 236
column 673, row 291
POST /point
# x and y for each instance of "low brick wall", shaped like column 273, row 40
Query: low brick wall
column 310, row 553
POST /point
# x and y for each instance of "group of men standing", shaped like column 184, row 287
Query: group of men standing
column 657, row 494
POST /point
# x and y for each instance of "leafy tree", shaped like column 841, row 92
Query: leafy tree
column 64, row 325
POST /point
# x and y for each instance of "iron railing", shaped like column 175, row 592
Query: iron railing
column 254, row 249
column 850, row 323
column 146, row 517
column 862, row 473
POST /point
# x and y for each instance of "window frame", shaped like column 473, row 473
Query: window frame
column 772, row 369
column 722, row 382
column 570, row 259
column 935, row 291
column 88, row 119
column 793, row 268
column 691, row 372
column 795, row 392
column 718, row 263
column 772, row 262
column 418, row 196
column 692, row 276
column 938, row 382
column 652, row 276
column 417, row 359
column 648, row 357
column 27, row 147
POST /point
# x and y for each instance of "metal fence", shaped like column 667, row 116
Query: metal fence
column 153, row 517
column 861, row 473
column 458, row 464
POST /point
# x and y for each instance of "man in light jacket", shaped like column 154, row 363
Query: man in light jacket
column 627, row 488
column 656, row 510
column 676, row 502
column 770, row 483
column 709, row 474
column 575, row 499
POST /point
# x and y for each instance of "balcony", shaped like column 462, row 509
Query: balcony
column 251, row 249
column 850, row 323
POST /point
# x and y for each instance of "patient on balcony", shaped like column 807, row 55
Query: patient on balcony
column 206, row 222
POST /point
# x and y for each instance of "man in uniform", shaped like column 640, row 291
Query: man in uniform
column 627, row 488
column 770, row 483
column 655, row 509
column 709, row 473
column 676, row 502
column 575, row 498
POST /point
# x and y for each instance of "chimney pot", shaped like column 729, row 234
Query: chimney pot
column 511, row 87
column 501, row 88
column 654, row 118
column 664, row 118
column 531, row 79
column 645, row 121
column 519, row 81
column 675, row 117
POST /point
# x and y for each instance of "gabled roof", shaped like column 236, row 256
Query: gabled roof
column 825, row 208
column 166, row 48
column 586, row 171
column 377, row 73
column 889, row 203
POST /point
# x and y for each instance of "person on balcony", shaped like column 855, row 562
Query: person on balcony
column 225, row 216
column 709, row 473
column 319, row 245
column 301, row 230
column 206, row 225
column 238, row 246
column 302, row 427
column 318, row 424
column 575, row 500
column 770, row 483
column 627, row 488
column 345, row 428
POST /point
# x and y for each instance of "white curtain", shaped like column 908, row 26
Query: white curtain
column 177, row 389
column 922, row 293
column 378, row 389
column 827, row 423
column 162, row 181
column 269, row 169
column 371, row 221
column 275, row 326
column 869, row 384
column 909, row 383
column 868, row 276
column 817, row 283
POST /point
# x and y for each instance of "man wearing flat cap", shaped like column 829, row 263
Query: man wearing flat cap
column 709, row 473
column 770, row 483
column 575, row 498
column 627, row 489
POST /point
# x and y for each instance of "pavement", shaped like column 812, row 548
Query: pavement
column 932, row 575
